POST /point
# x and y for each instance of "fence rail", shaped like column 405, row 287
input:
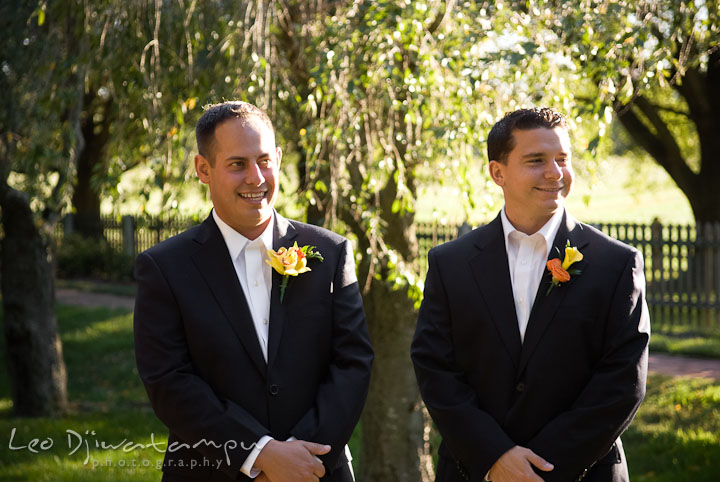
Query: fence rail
column 682, row 263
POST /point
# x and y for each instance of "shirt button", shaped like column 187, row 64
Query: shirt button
column 265, row 320
column 520, row 387
column 256, row 283
column 274, row 389
column 523, row 262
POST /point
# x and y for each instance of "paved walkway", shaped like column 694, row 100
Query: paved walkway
column 659, row 363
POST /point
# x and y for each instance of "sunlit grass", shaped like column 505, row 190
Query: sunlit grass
column 108, row 405
column 683, row 340
column 676, row 434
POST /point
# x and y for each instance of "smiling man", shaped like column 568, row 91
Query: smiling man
column 249, row 381
column 531, row 344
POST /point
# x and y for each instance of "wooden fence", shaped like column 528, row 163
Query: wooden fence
column 682, row 268
column 682, row 263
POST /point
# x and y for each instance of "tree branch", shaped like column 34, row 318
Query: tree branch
column 449, row 5
column 660, row 145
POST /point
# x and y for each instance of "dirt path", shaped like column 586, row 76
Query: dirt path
column 677, row 366
column 658, row 363
column 75, row 297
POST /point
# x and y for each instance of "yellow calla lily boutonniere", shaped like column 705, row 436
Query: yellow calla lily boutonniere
column 560, row 271
column 291, row 261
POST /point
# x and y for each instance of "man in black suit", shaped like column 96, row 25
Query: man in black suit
column 530, row 374
column 252, row 379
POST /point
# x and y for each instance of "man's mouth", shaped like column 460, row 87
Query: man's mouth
column 252, row 196
column 550, row 189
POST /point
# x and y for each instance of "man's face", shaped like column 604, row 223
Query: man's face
column 243, row 181
column 537, row 176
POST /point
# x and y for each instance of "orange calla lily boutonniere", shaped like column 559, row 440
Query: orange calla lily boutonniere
column 291, row 261
column 560, row 270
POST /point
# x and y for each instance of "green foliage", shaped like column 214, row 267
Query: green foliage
column 80, row 257
column 402, row 95
column 653, row 64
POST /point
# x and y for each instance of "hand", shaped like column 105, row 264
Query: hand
column 294, row 461
column 514, row 466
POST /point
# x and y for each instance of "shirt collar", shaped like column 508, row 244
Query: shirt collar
column 548, row 231
column 236, row 242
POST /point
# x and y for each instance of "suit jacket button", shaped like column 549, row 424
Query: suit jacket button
column 274, row 389
column 520, row 387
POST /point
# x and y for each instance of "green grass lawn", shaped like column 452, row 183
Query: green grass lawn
column 676, row 434
column 675, row 437
column 686, row 342
column 108, row 405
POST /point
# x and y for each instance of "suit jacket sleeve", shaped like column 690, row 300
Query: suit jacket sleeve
column 584, row 433
column 182, row 400
column 472, row 435
column 341, row 395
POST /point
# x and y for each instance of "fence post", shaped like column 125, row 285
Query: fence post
column 656, row 247
column 464, row 229
column 69, row 224
column 128, row 235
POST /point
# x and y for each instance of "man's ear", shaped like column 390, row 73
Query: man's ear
column 497, row 172
column 278, row 156
column 202, row 168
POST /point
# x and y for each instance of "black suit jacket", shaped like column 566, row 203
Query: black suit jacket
column 568, row 391
column 200, row 360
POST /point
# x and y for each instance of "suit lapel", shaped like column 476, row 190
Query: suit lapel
column 283, row 235
column 546, row 304
column 214, row 263
column 492, row 275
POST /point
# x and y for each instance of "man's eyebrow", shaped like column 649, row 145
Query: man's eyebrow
column 242, row 158
column 539, row 154
column 534, row 154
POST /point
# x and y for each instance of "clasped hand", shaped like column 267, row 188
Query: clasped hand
column 294, row 461
column 515, row 466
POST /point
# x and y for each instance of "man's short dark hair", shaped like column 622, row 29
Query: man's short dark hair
column 501, row 141
column 216, row 114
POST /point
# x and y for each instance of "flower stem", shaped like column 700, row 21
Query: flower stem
column 283, row 285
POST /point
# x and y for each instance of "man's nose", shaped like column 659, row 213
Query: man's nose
column 254, row 175
column 553, row 171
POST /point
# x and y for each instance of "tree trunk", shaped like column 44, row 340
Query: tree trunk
column 704, row 201
column 34, row 351
column 86, row 196
column 393, row 420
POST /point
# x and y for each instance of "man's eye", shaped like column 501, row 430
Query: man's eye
column 264, row 162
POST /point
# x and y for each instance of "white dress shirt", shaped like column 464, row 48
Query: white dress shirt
column 527, row 257
column 255, row 278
